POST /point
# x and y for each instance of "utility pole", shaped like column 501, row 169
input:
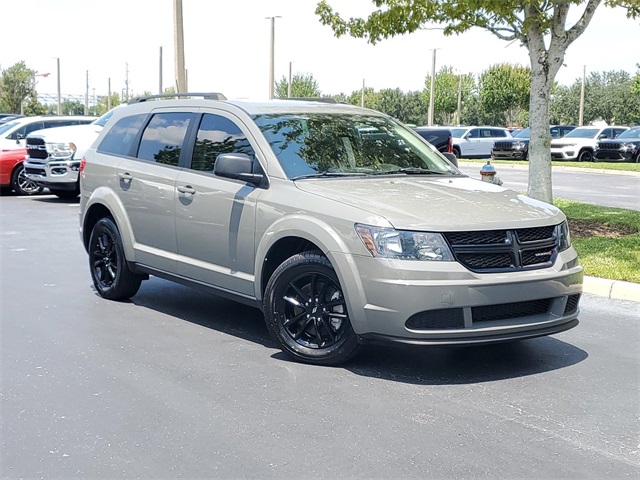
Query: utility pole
column 581, row 115
column 59, row 94
column 459, row 99
column 86, row 96
column 181, row 80
column 109, row 97
column 160, row 74
column 432, row 89
column 362, row 95
column 126, row 83
column 289, row 87
column 272, row 55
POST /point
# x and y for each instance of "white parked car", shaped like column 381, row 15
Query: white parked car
column 54, row 155
column 476, row 142
column 580, row 143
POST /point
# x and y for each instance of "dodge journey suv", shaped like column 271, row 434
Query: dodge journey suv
column 342, row 225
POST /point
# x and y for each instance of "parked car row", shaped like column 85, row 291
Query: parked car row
column 13, row 151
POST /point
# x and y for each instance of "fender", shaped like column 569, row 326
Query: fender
column 106, row 197
column 331, row 242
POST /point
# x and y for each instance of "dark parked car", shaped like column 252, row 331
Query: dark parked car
column 518, row 148
column 439, row 137
column 625, row 148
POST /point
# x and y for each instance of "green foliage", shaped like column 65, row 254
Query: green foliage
column 505, row 90
column 16, row 86
column 445, row 91
column 302, row 85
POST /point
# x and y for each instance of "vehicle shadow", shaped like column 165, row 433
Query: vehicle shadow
column 49, row 198
column 406, row 364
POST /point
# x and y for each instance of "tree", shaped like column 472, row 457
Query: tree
column 445, row 89
column 302, row 85
column 16, row 85
column 505, row 90
column 635, row 88
column 371, row 98
column 539, row 25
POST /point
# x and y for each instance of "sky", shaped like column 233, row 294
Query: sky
column 227, row 45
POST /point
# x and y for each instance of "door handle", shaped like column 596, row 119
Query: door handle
column 126, row 176
column 187, row 189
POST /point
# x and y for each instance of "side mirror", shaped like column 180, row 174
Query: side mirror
column 451, row 157
column 237, row 166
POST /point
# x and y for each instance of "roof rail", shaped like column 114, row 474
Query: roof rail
column 312, row 99
column 206, row 96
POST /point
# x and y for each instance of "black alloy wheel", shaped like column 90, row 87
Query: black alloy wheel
column 109, row 270
column 586, row 156
column 22, row 185
column 306, row 311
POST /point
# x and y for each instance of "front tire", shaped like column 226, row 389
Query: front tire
column 109, row 270
column 22, row 185
column 586, row 156
column 306, row 311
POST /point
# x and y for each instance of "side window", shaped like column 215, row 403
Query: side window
column 485, row 133
column 555, row 132
column 119, row 138
column 498, row 133
column 217, row 135
column 617, row 131
column 26, row 130
column 475, row 133
column 606, row 133
column 163, row 138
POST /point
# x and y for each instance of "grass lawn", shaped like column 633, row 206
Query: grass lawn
column 627, row 167
column 607, row 239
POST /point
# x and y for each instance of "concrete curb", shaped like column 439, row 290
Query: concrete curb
column 525, row 166
column 613, row 289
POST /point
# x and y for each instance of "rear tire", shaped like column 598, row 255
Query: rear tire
column 109, row 270
column 456, row 152
column 306, row 312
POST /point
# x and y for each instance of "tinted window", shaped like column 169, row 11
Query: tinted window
column 163, row 138
column 217, row 135
column 475, row 133
column 618, row 131
column 631, row 133
column 119, row 139
column 498, row 133
column 458, row 132
column 26, row 129
column 583, row 133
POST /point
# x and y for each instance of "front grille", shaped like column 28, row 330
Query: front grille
column 609, row 146
column 444, row 319
column 511, row 310
column 504, row 250
column 36, row 148
column 503, row 145
column 572, row 304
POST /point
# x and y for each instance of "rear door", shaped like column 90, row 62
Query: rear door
column 215, row 217
column 146, row 184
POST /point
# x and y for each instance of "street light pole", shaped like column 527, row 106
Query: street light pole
column 59, row 94
column 181, row 81
column 432, row 89
column 581, row 114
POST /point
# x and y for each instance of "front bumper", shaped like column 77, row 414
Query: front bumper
column 509, row 154
column 567, row 153
column 614, row 155
column 56, row 174
column 444, row 303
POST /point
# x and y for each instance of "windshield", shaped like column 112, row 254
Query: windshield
column 524, row 133
column 337, row 144
column 631, row 133
column 458, row 132
column 583, row 133
column 8, row 126
column 104, row 118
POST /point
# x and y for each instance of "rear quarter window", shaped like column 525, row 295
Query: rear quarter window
column 120, row 137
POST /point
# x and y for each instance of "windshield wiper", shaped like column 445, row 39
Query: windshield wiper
column 329, row 174
column 411, row 171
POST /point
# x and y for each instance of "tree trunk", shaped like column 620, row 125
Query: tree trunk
column 540, row 142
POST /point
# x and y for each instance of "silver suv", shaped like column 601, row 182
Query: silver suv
column 340, row 224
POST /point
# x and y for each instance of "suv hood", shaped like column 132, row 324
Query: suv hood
column 437, row 204
column 70, row 133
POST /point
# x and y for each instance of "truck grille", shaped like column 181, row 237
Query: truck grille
column 36, row 148
column 609, row 146
column 504, row 250
column 503, row 145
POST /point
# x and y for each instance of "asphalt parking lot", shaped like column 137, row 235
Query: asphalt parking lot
column 180, row 384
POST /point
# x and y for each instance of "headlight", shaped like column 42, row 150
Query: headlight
column 61, row 150
column 404, row 245
column 562, row 234
column 518, row 145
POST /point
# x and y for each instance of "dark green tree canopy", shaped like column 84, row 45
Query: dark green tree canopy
column 302, row 85
column 16, row 86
